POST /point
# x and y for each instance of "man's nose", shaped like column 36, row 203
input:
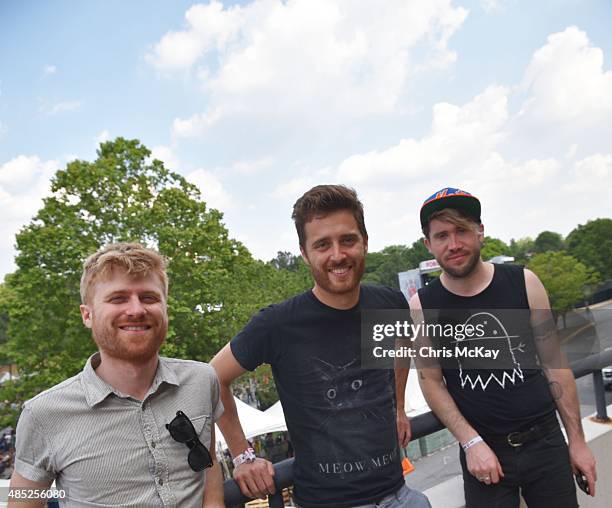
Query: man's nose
column 453, row 243
column 338, row 253
column 135, row 307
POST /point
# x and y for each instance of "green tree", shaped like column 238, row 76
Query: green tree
column 299, row 273
column 522, row 249
column 564, row 278
column 591, row 244
column 285, row 260
column 215, row 285
column 548, row 241
column 382, row 267
column 494, row 247
column 5, row 300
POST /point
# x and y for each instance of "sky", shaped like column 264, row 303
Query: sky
column 257, row 101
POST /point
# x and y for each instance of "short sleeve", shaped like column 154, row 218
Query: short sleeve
column 402, row 303
column 215, row 399
column 33, row 453
column 254, row 344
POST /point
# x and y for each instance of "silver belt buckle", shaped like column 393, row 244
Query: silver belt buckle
column 511, row 437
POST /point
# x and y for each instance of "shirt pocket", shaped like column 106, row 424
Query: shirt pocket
column 203, row 425
column 177, row 453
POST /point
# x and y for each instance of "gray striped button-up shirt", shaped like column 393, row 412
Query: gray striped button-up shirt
column 105, row 448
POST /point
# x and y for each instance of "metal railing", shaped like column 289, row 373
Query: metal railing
column 423, row 425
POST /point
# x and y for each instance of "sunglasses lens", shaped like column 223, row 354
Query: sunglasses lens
column 199, row 458
column 181, row 429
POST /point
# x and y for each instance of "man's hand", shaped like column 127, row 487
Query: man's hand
column 582, row 461
column 404, row 432
column 482, row 463
column 255, row 479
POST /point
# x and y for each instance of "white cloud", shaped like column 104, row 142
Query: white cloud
column 211, row 188
column 291, row 58
column 22, row 173
column 470, row 147
column 167, row 156
column 294, row 187
column 493, row 5
column 61, row 107
column 571, row 151
column 210, row 26
column 195, row 125
column 48, row 70
column 103, row 137
column 24, row 181
column 249, row 167
column 460, row 138
column 595, row 168
column 566, row 81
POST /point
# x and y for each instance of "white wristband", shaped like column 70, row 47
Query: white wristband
column 471, row 442
column 247, row 456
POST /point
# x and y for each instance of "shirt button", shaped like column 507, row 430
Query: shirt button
column 160, row 481
column 152, row 444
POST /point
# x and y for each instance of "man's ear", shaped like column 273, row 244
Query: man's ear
column 427, row 244
column 365, row 245
column 304, row 256
column 86, row 315
column 481, row 233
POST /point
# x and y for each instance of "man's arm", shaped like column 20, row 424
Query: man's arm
column 480, row 459
column 213, row 485
column 560, row 378
column 19, row 482
column 404, row 432
column 255, row 479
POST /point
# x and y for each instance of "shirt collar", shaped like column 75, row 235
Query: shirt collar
column 96, row 390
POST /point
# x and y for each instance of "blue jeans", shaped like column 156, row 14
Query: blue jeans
column 405, row 497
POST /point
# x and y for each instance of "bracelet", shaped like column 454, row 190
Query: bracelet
column 247, row 455
column 471, row 442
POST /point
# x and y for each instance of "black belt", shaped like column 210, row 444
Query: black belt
column 516, row 439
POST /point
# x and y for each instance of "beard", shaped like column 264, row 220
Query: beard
column 458, row 272
column 118, row 344
column 325, row 280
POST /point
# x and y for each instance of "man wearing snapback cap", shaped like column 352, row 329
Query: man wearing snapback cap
column 503, row 415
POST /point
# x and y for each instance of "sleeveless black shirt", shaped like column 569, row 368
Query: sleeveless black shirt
column 496, row 400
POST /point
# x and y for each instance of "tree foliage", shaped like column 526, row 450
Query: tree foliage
column 215, row 284
column 564, row 278
column 591, row 244
column 494, row 247
column 5, row 300
column 382, row 267
column 286, row 260
column 548, row 241
column 522, row 249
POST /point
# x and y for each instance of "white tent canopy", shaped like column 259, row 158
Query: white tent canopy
column 414, row 402
column 255, row 422
column 277, row 417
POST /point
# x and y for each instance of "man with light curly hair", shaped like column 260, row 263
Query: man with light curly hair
column 133, row 428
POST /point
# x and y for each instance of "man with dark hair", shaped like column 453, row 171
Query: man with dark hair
column 133, row 428
column 503, row 415
column 342, row 419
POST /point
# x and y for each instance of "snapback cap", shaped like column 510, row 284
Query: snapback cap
column 450, row 198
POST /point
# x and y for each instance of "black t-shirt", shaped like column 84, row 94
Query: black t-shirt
column 341, row 418
column 503, row 400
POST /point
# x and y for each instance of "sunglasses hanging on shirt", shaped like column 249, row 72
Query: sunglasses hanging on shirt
column 182, row 430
